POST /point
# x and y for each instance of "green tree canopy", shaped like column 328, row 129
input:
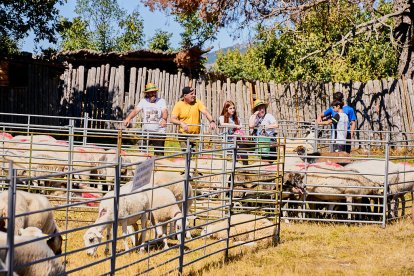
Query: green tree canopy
column 102, row 25
column 160, row 41
column 304, row 50
column 18, row 18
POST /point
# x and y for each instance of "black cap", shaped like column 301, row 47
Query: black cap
column 186, row 90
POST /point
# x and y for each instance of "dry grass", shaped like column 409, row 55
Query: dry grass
column 327, row 249
column 305, row 248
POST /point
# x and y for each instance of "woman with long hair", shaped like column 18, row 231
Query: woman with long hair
column 229, row 118
column 231, row 121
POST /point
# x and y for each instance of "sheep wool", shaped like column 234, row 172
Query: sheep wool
column 31, row 252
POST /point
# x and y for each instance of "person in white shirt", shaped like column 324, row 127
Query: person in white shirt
column 263, row 124
column 340, row 123
column 155, row 116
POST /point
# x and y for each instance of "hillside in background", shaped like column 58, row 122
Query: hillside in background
column 212, row 56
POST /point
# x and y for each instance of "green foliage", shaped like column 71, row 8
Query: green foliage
column 8, row 46
column 160, row 41
column 19, row 17
column 103, row 26
column 132, row 37
column 75, row 35
column 196, row 32
column 304, row 52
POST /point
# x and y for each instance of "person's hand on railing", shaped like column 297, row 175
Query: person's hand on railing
column 212, row 125
column 126, row 122
column 163, row 122
column 184, row 126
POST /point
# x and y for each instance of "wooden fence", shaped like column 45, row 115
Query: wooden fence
column 108, row 92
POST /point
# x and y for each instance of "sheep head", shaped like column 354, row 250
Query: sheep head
column 300, row 150
column 294, row 183
column 92, row 237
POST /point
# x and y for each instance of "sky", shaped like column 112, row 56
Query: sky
column 152, row 22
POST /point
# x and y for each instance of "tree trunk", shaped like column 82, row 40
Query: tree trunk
column 403, row 33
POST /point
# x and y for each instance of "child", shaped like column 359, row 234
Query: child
column 340, row 122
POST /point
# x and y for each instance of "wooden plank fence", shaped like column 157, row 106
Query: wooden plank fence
column 108, row 92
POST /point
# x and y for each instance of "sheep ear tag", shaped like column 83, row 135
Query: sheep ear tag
column 64, row 238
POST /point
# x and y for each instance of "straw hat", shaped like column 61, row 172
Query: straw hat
column 258, row 103
column 150, row 87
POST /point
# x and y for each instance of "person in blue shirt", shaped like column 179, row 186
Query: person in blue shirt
column 349, row 111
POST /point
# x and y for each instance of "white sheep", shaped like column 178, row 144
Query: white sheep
column 177, row 188
column 45, row 221
column 110, row 156
column 375, row 171
column 308, row 142
column 328, row 182
column 131, row 208
column 244, row 228
column 158, row 198
column 30, row 252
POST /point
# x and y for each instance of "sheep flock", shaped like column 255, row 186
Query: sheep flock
column 179, row 204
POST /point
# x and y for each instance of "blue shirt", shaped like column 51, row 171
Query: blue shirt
column 349, row 111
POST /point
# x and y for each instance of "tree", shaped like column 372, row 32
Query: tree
column 196, row 32
column 285, row 55
column 103, row 26
column 75, row 35
column 160, row 41
column 289, row 13
column 18, row 18
column 132, row 37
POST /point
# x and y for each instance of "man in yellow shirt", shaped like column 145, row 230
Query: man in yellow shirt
column 186, row 114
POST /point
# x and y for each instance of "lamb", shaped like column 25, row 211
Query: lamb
column 158, row 198
column 341, row 158
column 131, row 208
column 244, row 228
column 31, row 252
column 45, row 221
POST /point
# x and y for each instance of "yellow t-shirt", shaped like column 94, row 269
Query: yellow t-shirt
column 189, row 114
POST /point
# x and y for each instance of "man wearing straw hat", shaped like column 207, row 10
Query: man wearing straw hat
column 186, row 114
column 155, row 115
column 265, row 125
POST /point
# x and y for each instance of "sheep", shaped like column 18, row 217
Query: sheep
column 158, row 198
column 405, row 184
column 375, row 170
column 244, row 228
column 45, row 221
column 325, row 181
column 308, row 141
column 31, row 231
column 341, row 157
column 111, row 157
column 30, row 252
column 131, row 207
column 177, row 188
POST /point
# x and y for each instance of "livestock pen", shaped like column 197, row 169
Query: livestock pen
column 75, row 166
column 53, row 161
